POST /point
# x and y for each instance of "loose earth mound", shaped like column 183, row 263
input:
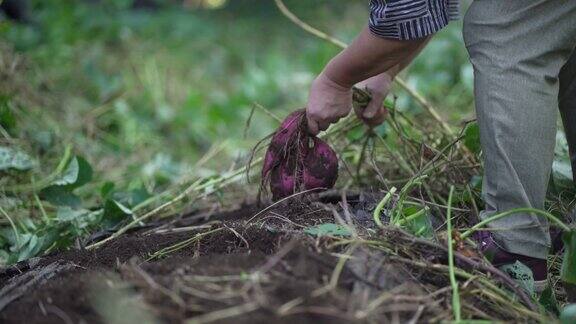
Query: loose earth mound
column 288, row 263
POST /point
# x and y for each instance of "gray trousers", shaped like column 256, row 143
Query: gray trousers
column 524, row 64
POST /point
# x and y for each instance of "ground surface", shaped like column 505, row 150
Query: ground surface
column 69, row 295
column 245, row 265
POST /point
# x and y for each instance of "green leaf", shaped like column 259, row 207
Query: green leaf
column 3, row 240
column 568, row 314
column 472, row 138
column 475, row 182
column 79, row 218
column 114, row 212
column 420, row 225
column 60, row 196
column 42, row 139
column 30, row 249
column 4, row 256
column 568, row 272
column 27, row 224
column 70, row 175
column 67, row 214
column 78, row 173
column 60, row 193
column 8, row 236
column 85, row 172
column 11, row 158
column 107, row 189
column 548, row 300
column 521, row 274
column 23, row 240
column 390, row 103
column 7, row 119
column 132, row 197
column 562, row 170
column 10, row 203
column 562, row 176
column 328, row 229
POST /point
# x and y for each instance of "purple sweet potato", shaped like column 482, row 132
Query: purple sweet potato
column 320, row 166
column 296, row 160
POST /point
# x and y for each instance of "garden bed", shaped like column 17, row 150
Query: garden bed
column 291, row 262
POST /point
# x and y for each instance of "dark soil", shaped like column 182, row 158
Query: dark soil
column 248, row 265
column 171, row 288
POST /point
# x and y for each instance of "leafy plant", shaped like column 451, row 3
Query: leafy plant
column 7, row 118
column 472, row 138
column 548, row 300
column 13, row 158
column 60, row 191
column 568, row 272
column 417, row 221
column 328, row 229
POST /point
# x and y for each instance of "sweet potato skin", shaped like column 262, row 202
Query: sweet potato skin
column 296, row 160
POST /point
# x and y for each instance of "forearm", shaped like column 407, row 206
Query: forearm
column 393, row 71
column 370, row 55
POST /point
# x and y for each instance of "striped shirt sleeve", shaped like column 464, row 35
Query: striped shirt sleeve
column 410, row 19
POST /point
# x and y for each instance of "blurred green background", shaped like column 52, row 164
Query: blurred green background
column 153, row 94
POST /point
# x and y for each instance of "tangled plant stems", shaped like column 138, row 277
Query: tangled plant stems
column 455, row 293
column 380, row 206
column 510, row 212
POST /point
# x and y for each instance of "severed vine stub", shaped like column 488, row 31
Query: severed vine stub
column 360, row 98
column 296, row 160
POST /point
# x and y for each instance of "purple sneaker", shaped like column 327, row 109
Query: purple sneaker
column 498, row 257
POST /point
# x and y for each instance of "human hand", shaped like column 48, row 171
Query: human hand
column 374, row 114
column 327, row 103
